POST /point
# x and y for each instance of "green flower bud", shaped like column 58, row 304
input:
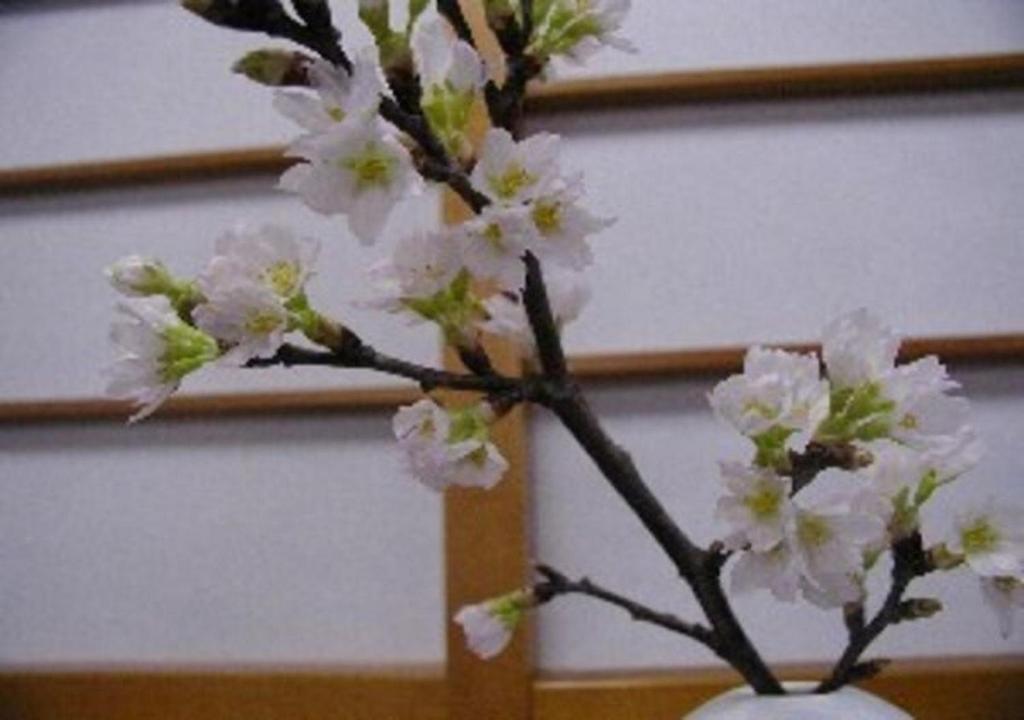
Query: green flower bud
column 276, row 68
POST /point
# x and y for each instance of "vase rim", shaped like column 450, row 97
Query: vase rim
column 794, row 689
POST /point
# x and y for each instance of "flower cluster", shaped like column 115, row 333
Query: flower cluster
column 895, row 433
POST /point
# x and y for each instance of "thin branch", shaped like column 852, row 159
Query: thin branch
column 818, row 457
column 542, row 321
column 556, row 584
column 356, row 354
column 910, row 561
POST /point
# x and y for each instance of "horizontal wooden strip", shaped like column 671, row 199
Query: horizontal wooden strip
column 196, row 694
column 721, row 361
column 601, row 367
column 773, row 83
column 219, row 405
column 781, row 83
column 980, row 689
column 162, row 169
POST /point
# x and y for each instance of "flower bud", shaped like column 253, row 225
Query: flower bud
column 489, row 625
column 277, row 68
column 941, row 557
column 136, row 276
column 919, row 608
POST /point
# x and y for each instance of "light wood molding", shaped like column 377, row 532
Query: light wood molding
column 609, row 367
column 981, row 72
column 219, row 694
column 979, row 349
column 627, row 91
column 942, row 689
column 214, row 405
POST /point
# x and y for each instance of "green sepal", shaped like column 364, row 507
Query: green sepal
column 771, row 447
column 858, row 413
column 186, row 349
column 448, row 113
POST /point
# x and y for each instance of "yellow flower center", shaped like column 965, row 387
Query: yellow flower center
column 979, row 537
column 512, row 181
column 813, row 530
column 372, row 168
column 282, row 277
column 262, row 323
column 548, row 217
column 494, row 236
column 764, row 503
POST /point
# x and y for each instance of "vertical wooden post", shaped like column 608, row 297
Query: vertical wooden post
column 486, row 543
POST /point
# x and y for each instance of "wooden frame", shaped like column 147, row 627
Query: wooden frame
column 938, row 690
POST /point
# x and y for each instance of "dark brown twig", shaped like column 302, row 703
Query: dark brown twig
column 556, row 584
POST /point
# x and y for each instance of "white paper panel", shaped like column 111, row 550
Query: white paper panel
column 87, row 80
column 582, row 527
column 263, row 540
column 756, row 222
column 57, row 305
column 697, row 34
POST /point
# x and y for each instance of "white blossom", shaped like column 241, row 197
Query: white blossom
column 757, row 510
column 512, row 173
column 156, row 349
column 991, row 539
column 858, row 348
column 777, row 389
column 422, row 265
column 493, row 244
column 1004, row 595
column 776, row 570
column 136, row 276
column 339, row 95
column 577, row 29
column 562, row 225
column 446, row 448
column 357, row 170
column 270, row 256
column 248, row 317
column 506, row 315
column 829, row 539
column 488, row 626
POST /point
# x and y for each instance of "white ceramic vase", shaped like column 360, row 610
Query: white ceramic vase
column 846, row 704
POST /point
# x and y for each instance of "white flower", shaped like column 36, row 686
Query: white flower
column 777, row 389
column 248, row 317
column 493, row 244
column 488, row 626
column 506, row 316
column 270, row 257
column 991, row 539
column 562, row 226
column 578, row 28
column 858, row 348
column 829, row 540
column 776, row 570
column 923, row 411
column 449, row 447
column 136, row 276
column 451, row 73
column 357, row 170
column 512, row 173
column 758, row 509
column 1004, row 595
column 155, row 351
column 339, row 95
column 422, row 265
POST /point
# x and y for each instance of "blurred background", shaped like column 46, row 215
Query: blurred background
column 271, row 540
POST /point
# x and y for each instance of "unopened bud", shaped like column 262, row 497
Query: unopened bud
column 919, row 608
column 375, row 14
column 139, row 277
column 277, row 68
column 941, row 557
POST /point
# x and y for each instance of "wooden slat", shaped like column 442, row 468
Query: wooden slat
column 773, row 83
column 219, row 405
column 601, row 366
column 782, row 83
column 486, row 532
column 940, row 689
column 197, row 694
column 723, row 360
column 163, row 169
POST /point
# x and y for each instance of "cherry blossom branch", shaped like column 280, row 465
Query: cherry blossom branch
column 910, row 561
column 452, row 12
column 353, row 353
column 556, row 584
column 818, row 457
